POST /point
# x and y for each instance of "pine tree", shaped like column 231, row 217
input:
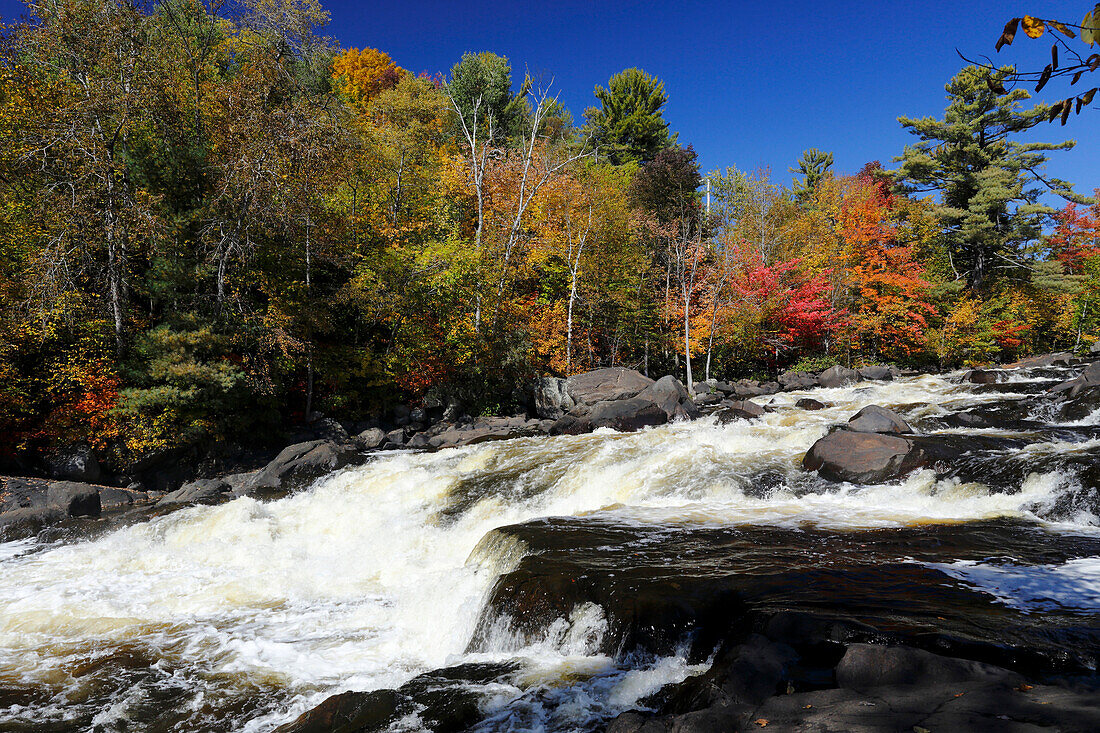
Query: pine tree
column 988, row 200
column 814, row 166
column 628, row 125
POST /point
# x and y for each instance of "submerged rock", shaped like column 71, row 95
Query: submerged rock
column 739, row 410
column 809, row 403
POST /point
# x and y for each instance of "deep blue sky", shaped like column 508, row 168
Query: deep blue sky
column 750, row 84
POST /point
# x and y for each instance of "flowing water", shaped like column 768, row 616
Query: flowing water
column 244, row 615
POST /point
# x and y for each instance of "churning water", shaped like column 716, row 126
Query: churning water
column 244, row 615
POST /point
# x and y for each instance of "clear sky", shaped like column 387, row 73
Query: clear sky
column 749, row 83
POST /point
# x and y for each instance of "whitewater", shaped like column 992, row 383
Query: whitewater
column 243, row 616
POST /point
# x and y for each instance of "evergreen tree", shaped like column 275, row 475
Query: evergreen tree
column 628, row 126
column 985, row 178
column 814, row 166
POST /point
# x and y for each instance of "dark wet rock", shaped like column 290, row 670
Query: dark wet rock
column 612, row 383
column 1080, row 406
column 298, row 465
column 981, row 376
column 202, row 491
column 370, row 438
column 483, row 430
column 739, row 410
column 876, row 419
column 710, row 398
column 669, row 394
column 863, row 458
column 443, row 700
column 809, row 403
column 1062, row 358
column 112, row 498
column 74, row 499
column 838, row 376
column 552, row 399
column 873, row 665
column 626, row 415
column 769, row 388
column 27, row 521
column 876, row 372
column 1089, row 378
column 73, row 463
column 348, row 712
column 792, row 381
column 394, row 439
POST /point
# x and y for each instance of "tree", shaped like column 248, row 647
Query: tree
column 814, row 166
column 362, row 75
column 480, row 87
column 983, row 175
column 628, row 125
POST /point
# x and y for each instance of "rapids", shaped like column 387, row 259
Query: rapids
column 244, row 615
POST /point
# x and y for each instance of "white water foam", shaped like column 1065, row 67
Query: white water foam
column 370, row 578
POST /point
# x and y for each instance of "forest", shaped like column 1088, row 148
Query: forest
column 215, row 223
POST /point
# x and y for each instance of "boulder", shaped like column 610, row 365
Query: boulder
column 670, row 395
column 370, row 438
column 739, row 410
column 791, row 381
column 875, row 419
column 481, row 431
column 1062, row 358
column 625, row 415
column 838, row 376
column 330, row 429
column 767, row 388
column 73, row 463
column 863, row 458
column 1095, row 348
column 299, row 464
column 1089, row 378
column 876, row 372
column 26, row 521
column 394, row 438
column 601, row 385
column 552, row 398
column 808, row 403
column 348, row 711
column 111, row 498
column 202, row 491
column 980, row 376
column 866, row 666
column 74, row 499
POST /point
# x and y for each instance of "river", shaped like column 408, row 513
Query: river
column 529, row 564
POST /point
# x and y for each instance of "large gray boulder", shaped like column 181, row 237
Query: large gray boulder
column 863, row 458
column 300, row 464
column 602, row 385
column 73, row 463
column 866, row 666
column 875, row 419
column 74, row 499
column 838, row 376
column 552, row 399
column 202, row 491
column 876, row 372
column 370, row 438
column 670, row 395
column 739, row 410
column 626, row 415
column 792, row 381
column 1089, row 378
column 981, row 376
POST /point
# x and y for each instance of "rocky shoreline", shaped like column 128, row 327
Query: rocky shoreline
column 873, row 447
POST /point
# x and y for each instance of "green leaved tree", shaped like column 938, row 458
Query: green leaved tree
column 814, row 167
column 986, row 180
